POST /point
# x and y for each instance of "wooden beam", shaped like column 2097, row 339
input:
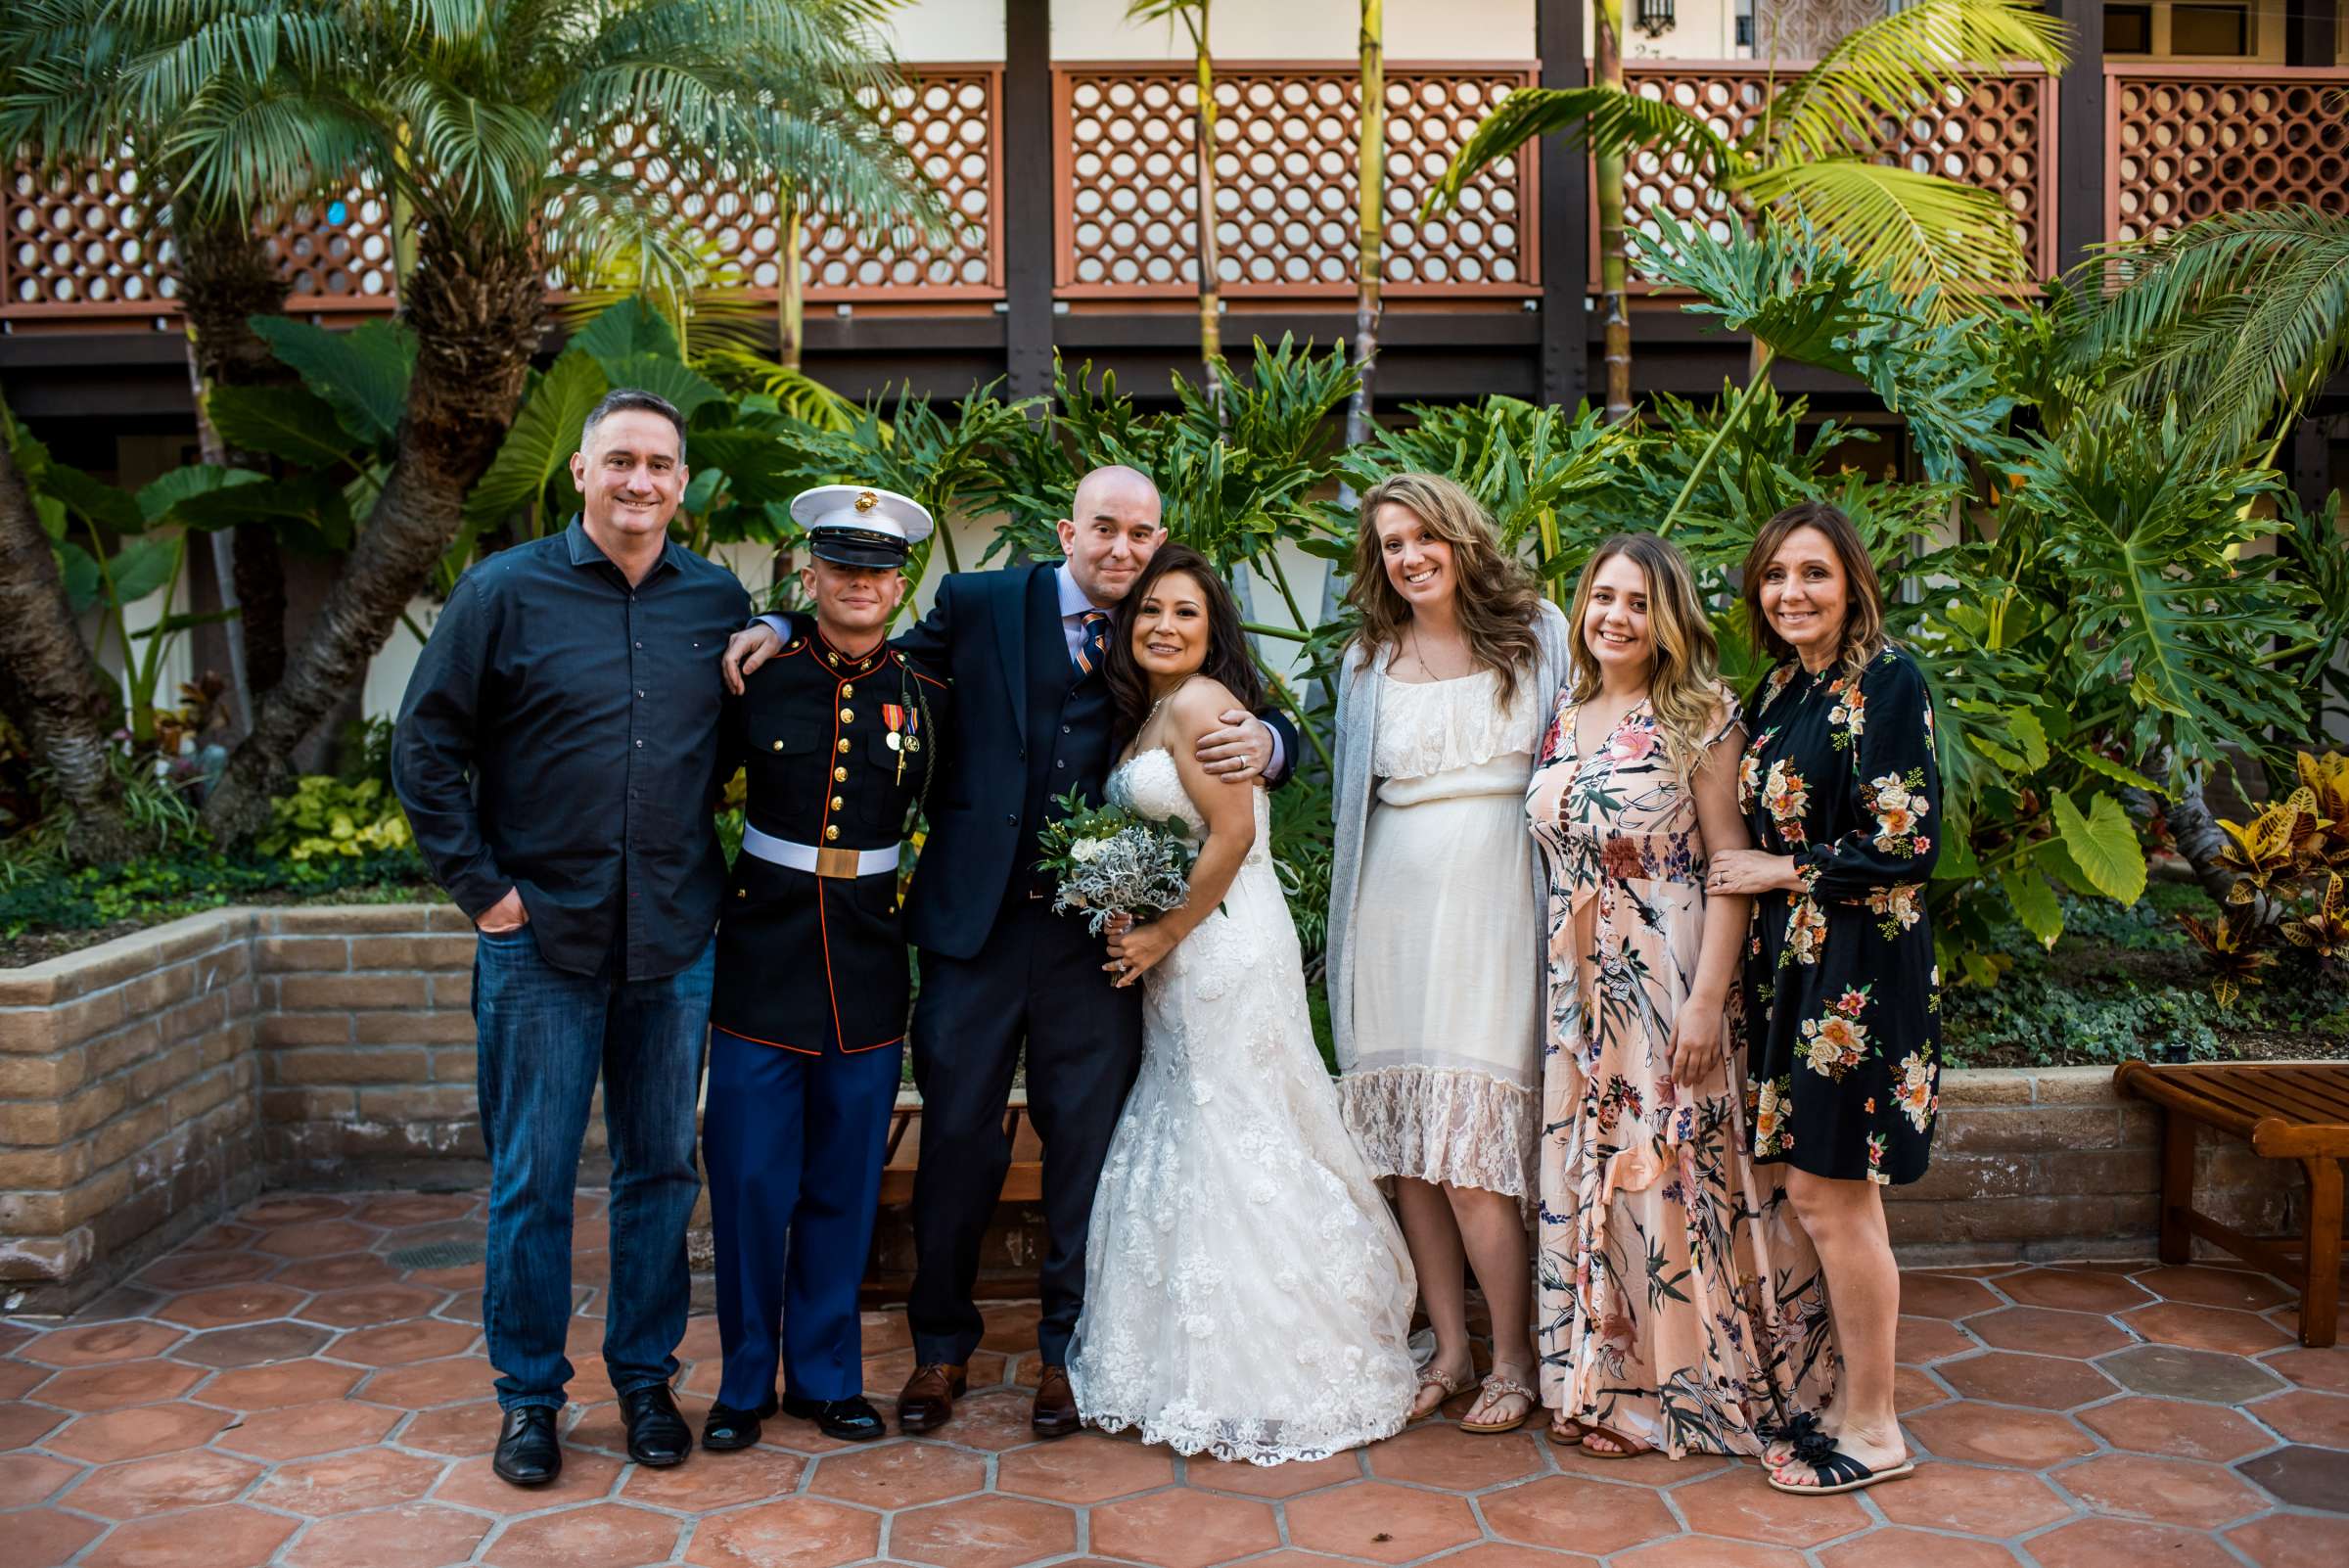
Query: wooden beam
column 2080, row 175
column 1028, row 194
column 1565, row 191
column 2312, row 32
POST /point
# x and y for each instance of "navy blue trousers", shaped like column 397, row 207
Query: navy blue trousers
column 793, row 1145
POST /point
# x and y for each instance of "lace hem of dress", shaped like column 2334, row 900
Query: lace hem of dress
column 1432, row 727
column 1249, row 1442
column 1454, row 1125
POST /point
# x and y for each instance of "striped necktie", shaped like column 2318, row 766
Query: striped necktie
column 1092, row 642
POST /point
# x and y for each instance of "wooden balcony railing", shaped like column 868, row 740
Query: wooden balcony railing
column 2000, row 136
column 2183, row 141
column 1125, row 214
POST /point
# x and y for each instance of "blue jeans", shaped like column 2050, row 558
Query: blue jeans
column 544, row 1035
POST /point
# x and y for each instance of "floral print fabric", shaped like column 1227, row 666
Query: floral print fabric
column 1839, row 976
column 1678, row 1303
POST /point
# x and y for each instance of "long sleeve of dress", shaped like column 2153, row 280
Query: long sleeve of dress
column 1897, row 780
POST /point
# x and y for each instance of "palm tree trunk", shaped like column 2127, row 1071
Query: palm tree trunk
column 226, row 279
column 478, row 318
column 1210, row 259
column 57, row 686
column 791, row 289
column 1614, row 266
column 1370, row 171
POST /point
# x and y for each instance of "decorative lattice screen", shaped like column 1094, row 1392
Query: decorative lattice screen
column 1285, row 166
column 2186, row 142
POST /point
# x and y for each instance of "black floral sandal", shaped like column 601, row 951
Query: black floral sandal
column 1831, row 1469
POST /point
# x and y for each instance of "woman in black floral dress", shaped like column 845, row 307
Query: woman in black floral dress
column 1843, row 794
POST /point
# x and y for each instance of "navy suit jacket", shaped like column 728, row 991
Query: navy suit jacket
column 990, row 632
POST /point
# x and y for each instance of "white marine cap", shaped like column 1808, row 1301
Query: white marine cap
column 856, row 525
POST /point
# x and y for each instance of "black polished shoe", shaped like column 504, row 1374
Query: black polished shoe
column 658, row 1435
column 728, row 1428
column 528, row 1452
column 852, row 1421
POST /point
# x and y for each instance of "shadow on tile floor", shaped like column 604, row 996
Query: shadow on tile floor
column 302, row 1386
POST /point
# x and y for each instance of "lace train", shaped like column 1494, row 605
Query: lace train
column 1247, row 1293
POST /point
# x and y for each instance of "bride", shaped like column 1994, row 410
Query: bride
column 1246, row 1294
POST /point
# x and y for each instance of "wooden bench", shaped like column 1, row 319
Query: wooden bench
column 1022, row 1182
column 2285, row 1111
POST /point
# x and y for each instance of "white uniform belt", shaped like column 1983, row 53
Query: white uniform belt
column 823, row 862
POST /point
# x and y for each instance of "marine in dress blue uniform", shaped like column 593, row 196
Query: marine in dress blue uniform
column 836, row 735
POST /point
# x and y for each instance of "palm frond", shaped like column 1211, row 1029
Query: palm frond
column 1603, row 118
column 1931, row 51
column 1916, row 231
column 2232, row 321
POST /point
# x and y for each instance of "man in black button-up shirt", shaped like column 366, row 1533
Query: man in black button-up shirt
column 557, row 754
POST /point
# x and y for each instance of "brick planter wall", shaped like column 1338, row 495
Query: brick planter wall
column 151, row 1084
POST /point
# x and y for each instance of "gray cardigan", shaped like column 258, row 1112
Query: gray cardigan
column 1350, row 804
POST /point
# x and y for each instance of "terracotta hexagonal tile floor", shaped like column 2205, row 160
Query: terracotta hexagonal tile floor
column 281, row 1392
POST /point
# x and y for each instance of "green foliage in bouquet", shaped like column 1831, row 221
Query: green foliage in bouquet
column 1109, row 860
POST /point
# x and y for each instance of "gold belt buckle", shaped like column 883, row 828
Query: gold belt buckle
column 836, row 862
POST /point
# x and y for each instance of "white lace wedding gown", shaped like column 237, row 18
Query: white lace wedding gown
column 1246, row 1293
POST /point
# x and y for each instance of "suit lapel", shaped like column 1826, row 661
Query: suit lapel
column 1012, row 634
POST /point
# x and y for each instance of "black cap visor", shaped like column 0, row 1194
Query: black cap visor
column 857, row 547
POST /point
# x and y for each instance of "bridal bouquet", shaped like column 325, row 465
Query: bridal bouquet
column 1110, row 862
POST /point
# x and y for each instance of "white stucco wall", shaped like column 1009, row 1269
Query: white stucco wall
column 1416, row 29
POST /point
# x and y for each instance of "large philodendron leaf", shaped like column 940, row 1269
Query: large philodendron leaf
column 309, row 510
column 166, row 499
column 361, row 374
column 631, row 327
column 544, row 436
column 288, row 421
column 91, row 499
column 2169, row 626
column 2103, row 846
column 665, row 376
column 1803, row 300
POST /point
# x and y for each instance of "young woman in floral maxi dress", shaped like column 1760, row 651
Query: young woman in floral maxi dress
column 1678, row 1306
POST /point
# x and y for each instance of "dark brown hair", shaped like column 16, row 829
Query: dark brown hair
column 1226, row 645
column 1864, row 596
column 1498, row 598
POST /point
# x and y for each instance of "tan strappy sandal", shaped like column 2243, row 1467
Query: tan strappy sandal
column 1433, row 1376
column 1499, row 1387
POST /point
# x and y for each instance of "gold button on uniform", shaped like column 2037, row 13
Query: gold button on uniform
column 847, row 715
column 848, row 688
column 837, row 802
column 778, row 746
column 840, row 775
column 844, row 745
column 832, row 832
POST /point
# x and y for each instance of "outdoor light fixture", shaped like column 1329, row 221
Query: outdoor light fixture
column 1655, row 18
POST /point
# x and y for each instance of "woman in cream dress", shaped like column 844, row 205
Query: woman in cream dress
column 1435, row 969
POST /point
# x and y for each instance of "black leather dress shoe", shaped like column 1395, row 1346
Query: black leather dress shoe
column 528, row 1452
column 728, row 1428
column 658, row 1435
column 852, row 1421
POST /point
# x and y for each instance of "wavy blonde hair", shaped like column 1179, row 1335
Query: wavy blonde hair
column 1684, row 686
column 1498, row 599
column 1864, row 635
